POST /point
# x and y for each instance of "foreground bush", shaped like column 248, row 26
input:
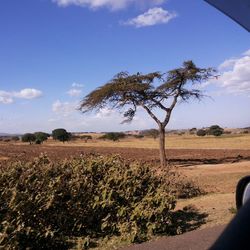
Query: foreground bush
column 45, row 205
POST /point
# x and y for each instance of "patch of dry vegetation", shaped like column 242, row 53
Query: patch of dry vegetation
column 227, row 141
column 87, row 200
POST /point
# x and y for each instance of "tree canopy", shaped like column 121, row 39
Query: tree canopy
column 61, row 134
column 148, row 91
column 113, row 136
column 215, row 130
column 28, row 137
column 150, row 132
column 41, row 136
column 151, row 91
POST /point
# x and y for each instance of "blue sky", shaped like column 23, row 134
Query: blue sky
column 54, row 52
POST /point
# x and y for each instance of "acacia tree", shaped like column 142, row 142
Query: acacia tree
column 61, row 134
column 41, row 136
column 153, row 91
column 28, row 137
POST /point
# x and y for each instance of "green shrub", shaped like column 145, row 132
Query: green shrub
column 150, row 133
column 86, row 137
column 28, row 138
column 186, row 189
column 61, row 134
column 201, row 132
column 41, row 137
column 45, row 205
column 38, row 142
column 139, row 136
column 113, row 136
column 215, row 130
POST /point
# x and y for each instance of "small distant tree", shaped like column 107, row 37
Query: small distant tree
column 41, row 137
column 15, row 138
column 140, row 136
column 86, row 137
column 192, row 131
column 150, row 91
column 28, row 137
column 151, row 133
column 61, row 134
column 215, row 130
column 113, row 136
column 201, row 132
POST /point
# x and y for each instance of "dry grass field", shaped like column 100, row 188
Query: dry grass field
column 233, row 141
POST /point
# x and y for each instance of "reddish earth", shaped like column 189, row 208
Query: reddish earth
column 176, row 156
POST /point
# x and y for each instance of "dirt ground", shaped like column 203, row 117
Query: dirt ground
column 220, row 182
column 25, row 152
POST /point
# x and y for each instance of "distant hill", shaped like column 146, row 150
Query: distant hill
column 8, row 135
column 4, row 134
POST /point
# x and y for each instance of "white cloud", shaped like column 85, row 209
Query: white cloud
column 235, row 75
column 74, row 92
column 77, row 85
column 105, row 120
column 28, row 93
column 8, row 97
column 104, row 112
column 227, row 64
column 64, row 108
column 5, row 97
column 247, row 53
column 112, row 4
column 152, row 17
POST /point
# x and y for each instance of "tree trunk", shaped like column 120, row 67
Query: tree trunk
column 162, row 146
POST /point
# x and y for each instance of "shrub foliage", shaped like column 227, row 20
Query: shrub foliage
column 28, row 138
column 150, row 133
column 61, row 134
column 44, row 205
column 201, row 132
column 113, row 136
column 215, row 130
column 41, row 137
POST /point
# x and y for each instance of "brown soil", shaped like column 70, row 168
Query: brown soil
column 220, row 182
column 176, row 156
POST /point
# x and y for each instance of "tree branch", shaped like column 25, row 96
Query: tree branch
column 151, row 114
column 170, row 109
column 159, row 104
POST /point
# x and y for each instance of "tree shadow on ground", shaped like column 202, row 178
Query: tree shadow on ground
column 187, row 219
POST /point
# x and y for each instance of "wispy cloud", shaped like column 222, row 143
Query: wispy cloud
column 152, row 17
column 77, row 85
column 66, row 115
column 64, row 108
column 28, row 93
column 76, row 89
column 112, row 4
column 74, row 92
column 235, row 74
